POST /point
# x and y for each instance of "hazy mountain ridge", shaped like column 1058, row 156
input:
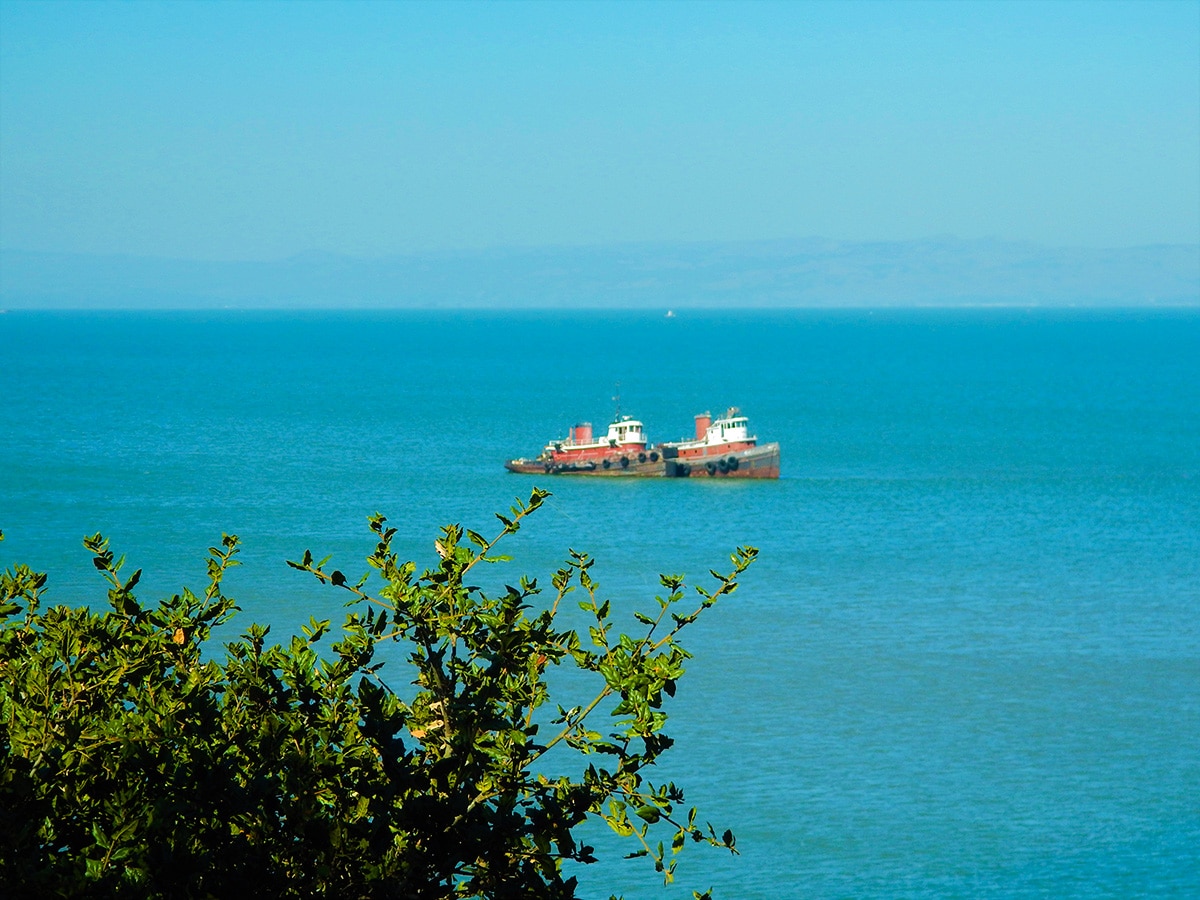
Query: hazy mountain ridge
column 794, row 273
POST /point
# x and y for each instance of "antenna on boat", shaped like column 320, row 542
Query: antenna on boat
column 617, row 400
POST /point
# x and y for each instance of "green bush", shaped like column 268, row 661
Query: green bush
column 138, row 763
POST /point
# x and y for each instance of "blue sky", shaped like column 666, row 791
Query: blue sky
column 257, row 131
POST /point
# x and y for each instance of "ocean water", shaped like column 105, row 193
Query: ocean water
column 966, row 664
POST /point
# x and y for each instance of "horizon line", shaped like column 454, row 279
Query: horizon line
column 658, row 311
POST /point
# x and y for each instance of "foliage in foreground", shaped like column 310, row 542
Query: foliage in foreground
column 135, row 763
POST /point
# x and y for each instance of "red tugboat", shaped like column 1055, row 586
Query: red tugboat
column 623, row 451
column 722, row 448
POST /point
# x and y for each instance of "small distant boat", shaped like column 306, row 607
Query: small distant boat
column 670, row 314
column 722, row 448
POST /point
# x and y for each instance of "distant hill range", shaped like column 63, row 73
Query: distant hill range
column 794, row 273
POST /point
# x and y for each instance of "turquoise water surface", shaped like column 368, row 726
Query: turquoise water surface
column 967, row 663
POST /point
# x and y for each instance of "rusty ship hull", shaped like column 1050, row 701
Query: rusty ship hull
column 760, row 461
column 615, row 465
column 752, row 462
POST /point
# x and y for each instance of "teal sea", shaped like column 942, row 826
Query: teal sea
column 967, row 663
